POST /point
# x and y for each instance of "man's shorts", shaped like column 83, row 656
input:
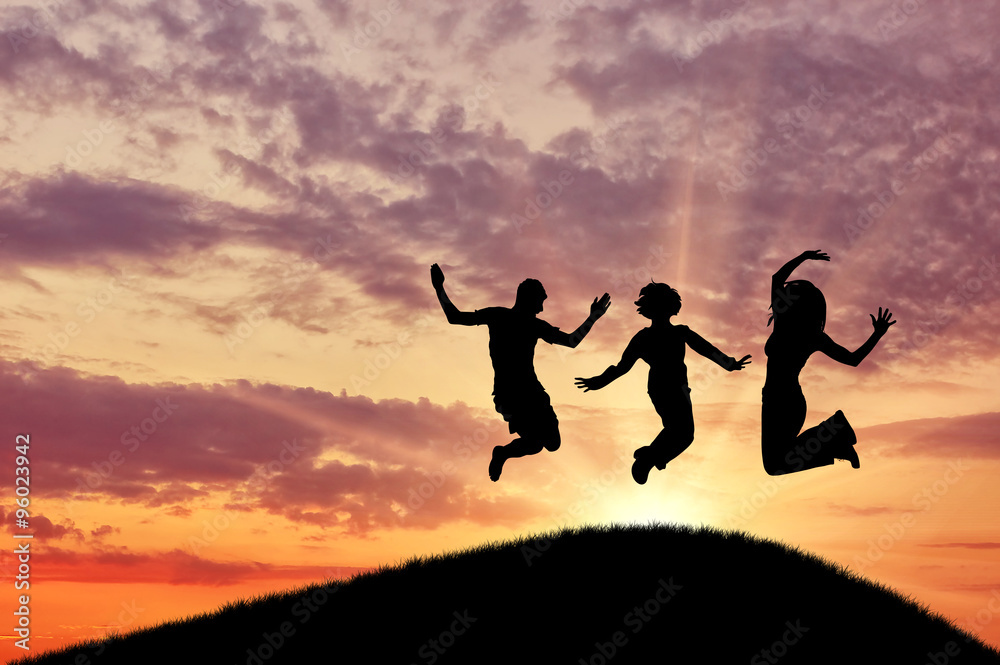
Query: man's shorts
column 529, row 413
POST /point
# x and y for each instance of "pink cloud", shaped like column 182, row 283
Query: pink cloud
column 265, row 447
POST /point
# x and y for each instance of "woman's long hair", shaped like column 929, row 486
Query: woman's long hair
column 801, row 311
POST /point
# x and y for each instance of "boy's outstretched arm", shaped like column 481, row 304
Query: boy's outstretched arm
column 597, row 310
column 705, row 348
column 613, row 372
column 453, row 314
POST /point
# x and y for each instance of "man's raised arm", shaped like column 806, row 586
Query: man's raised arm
column 453, row 314
column 597, row 310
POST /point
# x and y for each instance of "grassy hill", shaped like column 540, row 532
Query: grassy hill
column 600, row 595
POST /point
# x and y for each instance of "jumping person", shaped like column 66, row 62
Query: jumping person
column 662, row 346
column 517, row 394
column 799, row 316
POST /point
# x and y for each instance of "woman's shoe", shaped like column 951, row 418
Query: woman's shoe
column 642, row 465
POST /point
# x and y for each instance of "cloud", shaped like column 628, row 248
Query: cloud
column 332, row 461
column 41, row 527
column 174, row 567
column 652, row 183
column 959, row 437
column 861, row 511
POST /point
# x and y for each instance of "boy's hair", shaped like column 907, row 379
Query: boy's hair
column 660, row 296
column 530, row 289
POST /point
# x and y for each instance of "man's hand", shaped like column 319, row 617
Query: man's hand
column 437, row 276
column 737, row 365
column 593, row 383
column 599, row 307
column 815, row 255
column 882, row 323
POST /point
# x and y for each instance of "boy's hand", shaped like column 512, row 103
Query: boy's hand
column 737, row 365
column 598, row 308
column 593, row 383
column 437, row 276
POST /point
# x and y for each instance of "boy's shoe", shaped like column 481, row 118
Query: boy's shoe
column 642, row 465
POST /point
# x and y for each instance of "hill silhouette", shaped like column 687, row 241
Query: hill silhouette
column 597, row 595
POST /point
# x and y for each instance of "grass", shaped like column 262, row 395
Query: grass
column 600, row 595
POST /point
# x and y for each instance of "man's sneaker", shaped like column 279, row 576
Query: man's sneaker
column 496, row 464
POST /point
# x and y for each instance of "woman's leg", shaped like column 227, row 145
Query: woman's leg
column 783, row 412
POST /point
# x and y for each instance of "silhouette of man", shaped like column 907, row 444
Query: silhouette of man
column 517, row 394
column 662, row 346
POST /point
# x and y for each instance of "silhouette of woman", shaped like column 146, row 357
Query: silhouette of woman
column 662, row 346
column 799, row 316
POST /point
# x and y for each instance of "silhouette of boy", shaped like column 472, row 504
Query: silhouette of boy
column 517, row 393
column 662, row 346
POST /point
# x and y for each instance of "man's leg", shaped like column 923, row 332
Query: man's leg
column 538, row 429
column 516, row 448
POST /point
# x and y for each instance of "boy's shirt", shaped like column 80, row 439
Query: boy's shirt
column 664, row 348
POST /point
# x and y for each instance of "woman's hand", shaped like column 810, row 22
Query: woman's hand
column 882, row 323
column 815, row 255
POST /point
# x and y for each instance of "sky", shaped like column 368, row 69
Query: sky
column 218, row 328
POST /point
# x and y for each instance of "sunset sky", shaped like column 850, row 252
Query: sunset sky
column 217, row 219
